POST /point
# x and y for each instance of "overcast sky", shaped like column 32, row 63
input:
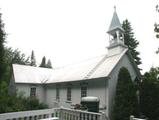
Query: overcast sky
column 68, row 31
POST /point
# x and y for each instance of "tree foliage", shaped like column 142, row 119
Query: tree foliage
column 33, row 60
column 2, row 41
column 43, row 62
column 12, row 56
column 15, row 102
column 156, row 26
column 131, row 41
column 49, row 65
column 18, row 102
column 126, row 98
column 149, row 94
column 15, row 57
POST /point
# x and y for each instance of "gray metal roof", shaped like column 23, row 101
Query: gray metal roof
column 115, row 23
column 30, row 74
column 97, row 67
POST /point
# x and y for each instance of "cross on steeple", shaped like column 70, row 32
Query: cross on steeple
column 114, row 8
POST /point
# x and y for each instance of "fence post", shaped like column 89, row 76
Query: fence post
column 131, row 117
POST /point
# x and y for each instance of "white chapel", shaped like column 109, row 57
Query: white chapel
column 93, row 77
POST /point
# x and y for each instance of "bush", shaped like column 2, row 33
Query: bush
column 17, row 102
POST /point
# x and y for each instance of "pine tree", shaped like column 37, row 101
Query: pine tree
column 2, row 41
column 126, row 98
column 33, row 60
column 131, row 42
column 43, row 62
column 49, row 65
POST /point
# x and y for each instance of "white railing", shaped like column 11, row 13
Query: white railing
column 62, row 113
column 29, row 115
column 71, row 114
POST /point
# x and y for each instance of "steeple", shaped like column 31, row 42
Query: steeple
column 116, row 34
column 115, row 23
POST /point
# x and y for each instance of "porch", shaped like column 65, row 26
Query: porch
column 61, row 113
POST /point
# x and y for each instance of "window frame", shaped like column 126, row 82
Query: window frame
column 69, row 93
column 57, row 93
column 33, row 92
column 84, row 89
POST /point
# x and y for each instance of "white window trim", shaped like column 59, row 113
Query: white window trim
column 69, row 91
column 57, row 93
column 33, row 92
column 69, row 86
column 84, row 90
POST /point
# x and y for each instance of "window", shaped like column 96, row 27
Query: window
column 32, row 92
column 57, row 93
column 83, row 91
column 68, row 93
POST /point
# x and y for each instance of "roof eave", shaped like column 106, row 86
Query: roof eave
column 115, row 28
column 107, row 78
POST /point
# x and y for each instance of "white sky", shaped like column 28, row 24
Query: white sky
column 67, row 31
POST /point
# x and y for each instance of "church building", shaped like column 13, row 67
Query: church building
column 93, row 77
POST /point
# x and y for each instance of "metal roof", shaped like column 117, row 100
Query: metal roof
column 115, row 23
column 30, row 74
column 97, row 67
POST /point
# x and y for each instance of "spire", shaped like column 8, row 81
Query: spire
column 115, row 23
column 116, row 36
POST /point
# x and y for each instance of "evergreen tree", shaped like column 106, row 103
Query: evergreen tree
column 126, row 98
column 131, row 42
column 49, row 65
column 43, row 62
column 33, row 60
column 149, row 94
column 2, row 41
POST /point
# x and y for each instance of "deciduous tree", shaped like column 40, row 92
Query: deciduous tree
column 12, row 56
column 15, row 57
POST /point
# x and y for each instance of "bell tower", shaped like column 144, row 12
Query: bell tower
column 116, row 36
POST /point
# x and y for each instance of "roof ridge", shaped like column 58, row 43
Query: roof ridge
column 95, row 67
column 34, row 67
